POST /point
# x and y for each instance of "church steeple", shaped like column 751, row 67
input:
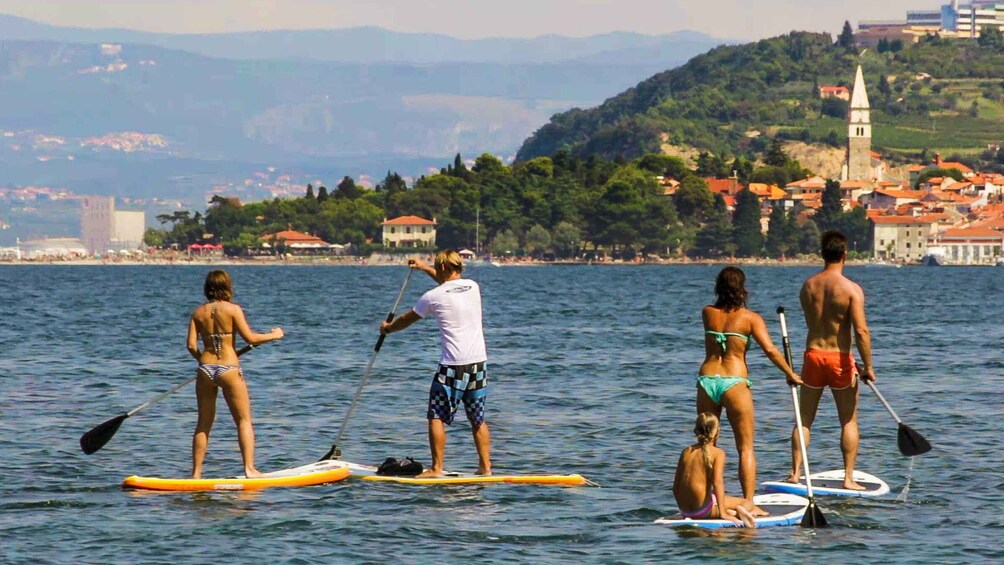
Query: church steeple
column 859, row 133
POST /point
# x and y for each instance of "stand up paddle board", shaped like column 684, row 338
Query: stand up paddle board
column 312, row 474
column 369, row 473
column 831, row 483
column 784, row 509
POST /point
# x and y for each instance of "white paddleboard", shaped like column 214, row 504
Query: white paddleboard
column 784, row 509
column 369, row 473
column 830, row 483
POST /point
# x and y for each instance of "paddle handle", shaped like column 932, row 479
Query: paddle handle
column 786, row 344
column 390, row 316
column 883, row 401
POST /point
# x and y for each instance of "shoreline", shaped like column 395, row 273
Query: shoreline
column 365, row 262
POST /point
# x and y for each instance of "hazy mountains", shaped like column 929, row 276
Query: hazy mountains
column 356, row 100
column 377, row 45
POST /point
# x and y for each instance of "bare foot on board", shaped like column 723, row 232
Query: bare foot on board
column 757, row 511
column 793, row 478
column 430, row 474
column 483, row 472
column 851, row 485
column 253, row 473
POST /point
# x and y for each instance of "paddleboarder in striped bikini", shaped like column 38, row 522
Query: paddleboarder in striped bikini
column 834, row 308
column 462, row 375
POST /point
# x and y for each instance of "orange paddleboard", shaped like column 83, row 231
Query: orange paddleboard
column 307, row 475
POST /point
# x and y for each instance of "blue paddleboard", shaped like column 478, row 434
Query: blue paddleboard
column 830, row 483
column 784, row 509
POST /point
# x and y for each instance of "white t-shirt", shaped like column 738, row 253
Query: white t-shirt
column 456, row 305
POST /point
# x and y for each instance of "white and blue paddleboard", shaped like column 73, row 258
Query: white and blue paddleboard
column 831, row 483
column 784, row 510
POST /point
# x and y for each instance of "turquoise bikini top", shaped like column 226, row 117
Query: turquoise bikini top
column 722, row 338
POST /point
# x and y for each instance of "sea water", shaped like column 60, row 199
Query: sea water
column 592, row 371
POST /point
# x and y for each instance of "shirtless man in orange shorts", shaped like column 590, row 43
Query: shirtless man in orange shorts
column 834, row 308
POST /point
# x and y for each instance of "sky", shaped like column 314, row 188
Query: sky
column 470, row 19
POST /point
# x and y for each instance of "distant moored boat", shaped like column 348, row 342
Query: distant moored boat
column 935, row 257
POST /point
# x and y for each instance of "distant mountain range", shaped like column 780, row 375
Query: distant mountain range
column 378, row 45
column 353, row 99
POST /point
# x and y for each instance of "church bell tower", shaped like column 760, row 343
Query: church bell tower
column 859, row 133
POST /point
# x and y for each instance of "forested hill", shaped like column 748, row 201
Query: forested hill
column 932, row 95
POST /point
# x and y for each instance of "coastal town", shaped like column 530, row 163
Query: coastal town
column 935, row 210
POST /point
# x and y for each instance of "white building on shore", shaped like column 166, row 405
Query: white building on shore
column 104, row 229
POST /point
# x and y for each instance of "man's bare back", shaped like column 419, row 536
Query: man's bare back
column 831, row 302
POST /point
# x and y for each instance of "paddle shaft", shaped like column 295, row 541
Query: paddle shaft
column 883, row 401
column 369, row 367
column 164, row 395
column 786, row 344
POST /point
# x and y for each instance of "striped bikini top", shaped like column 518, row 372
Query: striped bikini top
column 216, row 338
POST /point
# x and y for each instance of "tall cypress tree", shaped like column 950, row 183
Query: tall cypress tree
column 778, row 233
column 714, row 239
column 846, row 38
column 828, row 215
column 310, row 191
column 746, row 224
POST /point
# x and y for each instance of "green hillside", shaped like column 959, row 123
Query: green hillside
column 937, row 95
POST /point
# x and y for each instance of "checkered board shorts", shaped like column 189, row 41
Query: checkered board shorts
column 455, row 383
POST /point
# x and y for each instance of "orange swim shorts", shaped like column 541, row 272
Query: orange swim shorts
column 834, row 369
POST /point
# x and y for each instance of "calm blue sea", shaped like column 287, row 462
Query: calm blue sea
column 592, row 372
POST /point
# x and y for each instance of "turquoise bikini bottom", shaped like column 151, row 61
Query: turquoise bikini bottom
column 717, row 386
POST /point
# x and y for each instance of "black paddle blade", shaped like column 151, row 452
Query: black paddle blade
column 813, row 517
column 333, row 453
column 910, row 442
column 100, row 434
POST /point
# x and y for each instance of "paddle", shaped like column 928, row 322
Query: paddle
column 910, row 442
column 99, row 435
column 813, row 517
column 334, row 452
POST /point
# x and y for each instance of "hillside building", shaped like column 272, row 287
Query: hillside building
column 103, row 228
column 409, row 231
column 955, row 19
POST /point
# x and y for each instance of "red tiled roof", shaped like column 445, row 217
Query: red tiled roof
column 893, row 220
column 915, row 194
column 291, row 236
column 409, row 221
column 991, row 224
column 720, row 186
column 954, row 165
column 972, row 232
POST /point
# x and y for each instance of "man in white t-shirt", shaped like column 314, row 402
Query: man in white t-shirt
column 462, row 374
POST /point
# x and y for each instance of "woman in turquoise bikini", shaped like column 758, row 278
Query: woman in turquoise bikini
column 723, row 380
column 216, row 322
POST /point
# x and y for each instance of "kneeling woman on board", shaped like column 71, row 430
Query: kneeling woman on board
column 723, row 380
column 217, row 322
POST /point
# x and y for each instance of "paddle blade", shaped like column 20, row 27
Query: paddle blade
column 910, row 442
column 813, row 517
column 100, row 434
column 333, row 453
